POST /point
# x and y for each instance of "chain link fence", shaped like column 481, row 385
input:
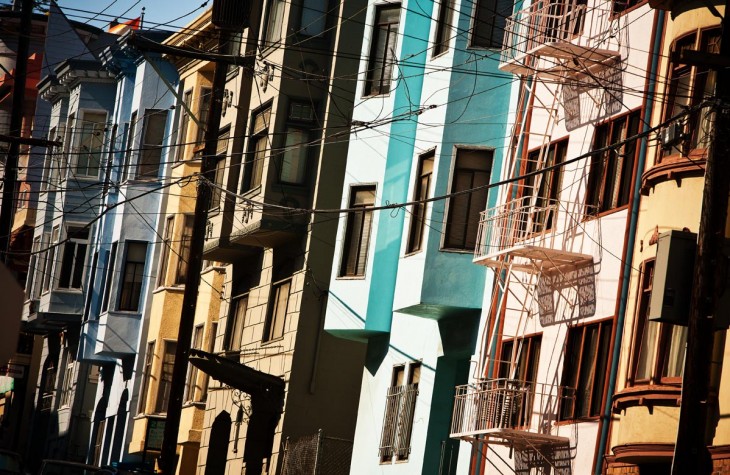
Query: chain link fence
column 317, row 454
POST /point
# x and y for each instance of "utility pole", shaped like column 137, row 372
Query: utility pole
column 10, row 176
column 228, row 16
column 690, row 452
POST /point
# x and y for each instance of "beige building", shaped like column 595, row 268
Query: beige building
column 646, row 405
column 158, row 355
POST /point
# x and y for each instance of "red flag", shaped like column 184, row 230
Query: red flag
column 119, row 28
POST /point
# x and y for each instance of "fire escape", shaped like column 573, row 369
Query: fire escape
column 535, row 240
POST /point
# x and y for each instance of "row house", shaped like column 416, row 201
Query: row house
column 81, row 94
column 646, row 404
column 126, row 243
column 281, row 387
column 433, row 113
column 184, row 145
column 557, row 237
column 70, row 38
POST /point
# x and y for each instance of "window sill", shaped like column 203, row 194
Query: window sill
column 212, row 213
column 273, row 340
column 184, row 161
column 351, row 277
column 412, row 253
column 164, row 288
column 68, row 291
column 210, row 269
column 253, row 192
column 441, row 54
column 196, row 404
column 603, row 214
column 373, row 96
column 456, row 251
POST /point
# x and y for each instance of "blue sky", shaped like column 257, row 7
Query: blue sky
column 166, row 12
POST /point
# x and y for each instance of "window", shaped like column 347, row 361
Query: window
column 74, row 258
column 53, row 162
column 51, row 259
column 274, row 21
column 659, row 348
column 165, row 251
column 609, row 181
column 183, row 255
column 542, row 191
column 131, row 144
column 688, row 87
column 382, row 50
column 35, row 270
column 471, row 170
column 68, row 382
column 620, row 6
column 586, row 360
column 192, row 377
column 236, row 321
column 211, row 348
column 152, row 137
column 206, row 95
column 487, row 30
column 99, row 441
column 258, row 144
column 182, row 137
column 88, row 143
column 111, row 260
column 49, row 384
column 294, row 156
column 146, row 377
column 420, row 193
column 163, row 390
column 132, row 276
column 220, row 167
column 400, row 406
column 314, row 17
column 520, row 358
column 276, row 315
column 443, row 27
column 357, row 232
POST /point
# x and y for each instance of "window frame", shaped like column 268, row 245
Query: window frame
column 443, row 28
column 419, row 211
column 165, row 252
column 399, row 415
column 273, row 319
column 191, row 379
column 205, row 98
column 540, row 211
column 596, row 375
column 446, row 245
column 275, row 10
column 224, row 136
column 110, row 270
column 234, row 327
column 78, row 135
column 146, row 169
column 183, row 253
column 388, row 61
column 184, row 125
column 596, row 187
column 49, row 280
column 362, row 236
column 162, row 398
column 69, row 231
column 661, row 338
column 149, row 359
column 129, row 306
column 492, row 43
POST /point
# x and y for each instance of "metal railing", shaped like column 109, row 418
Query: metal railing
column 551, row 22
column 495, row 404
column 317, row 454
column 400, row 406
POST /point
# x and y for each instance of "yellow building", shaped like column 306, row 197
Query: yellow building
column 158, row 355
column 646, row 405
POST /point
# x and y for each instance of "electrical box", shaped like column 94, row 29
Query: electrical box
column 671, row 135
column 673, row 272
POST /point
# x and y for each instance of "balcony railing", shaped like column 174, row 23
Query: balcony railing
column 524, row 227
column 561, row 29
column 499, row 407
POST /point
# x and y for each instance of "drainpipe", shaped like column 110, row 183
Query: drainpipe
column 633, row 218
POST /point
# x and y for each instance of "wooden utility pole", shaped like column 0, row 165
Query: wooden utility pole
column 691, row 454
column 10, row 177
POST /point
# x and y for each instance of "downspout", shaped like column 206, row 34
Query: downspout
column 631, row 237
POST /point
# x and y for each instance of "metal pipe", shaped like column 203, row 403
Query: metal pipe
column 628, row 258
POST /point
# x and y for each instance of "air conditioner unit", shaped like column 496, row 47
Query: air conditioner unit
column 671, row 135
column 673, row 273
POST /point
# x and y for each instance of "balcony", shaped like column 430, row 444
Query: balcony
column 541, row 37
column 259, row 225
column 87, row 344
column 523, row 227
column 53, row 311
column 508, row 412
column 117, row 334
